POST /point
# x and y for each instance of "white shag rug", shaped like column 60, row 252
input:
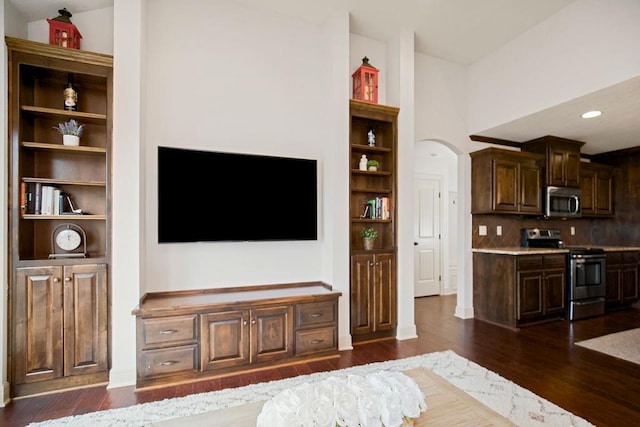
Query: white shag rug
column 623, row 345
column 513, row 402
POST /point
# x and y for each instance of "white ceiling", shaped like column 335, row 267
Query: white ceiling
column 460, row 31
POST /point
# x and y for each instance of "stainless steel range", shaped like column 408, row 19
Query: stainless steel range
column 586, row 272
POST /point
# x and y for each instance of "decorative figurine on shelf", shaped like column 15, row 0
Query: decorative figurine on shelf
column 371, row 138
column 363, row 163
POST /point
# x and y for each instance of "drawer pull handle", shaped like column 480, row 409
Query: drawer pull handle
column 316, row 341
column 168, row 363
column 315, row 315
column 168, row 331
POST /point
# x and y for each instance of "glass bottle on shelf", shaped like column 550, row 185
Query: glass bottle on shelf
column 70, row 95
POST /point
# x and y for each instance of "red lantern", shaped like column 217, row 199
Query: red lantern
column 365, row 82
column 62, row 32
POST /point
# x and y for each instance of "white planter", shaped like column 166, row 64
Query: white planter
column 70, row 140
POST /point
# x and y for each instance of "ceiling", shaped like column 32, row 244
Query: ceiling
column 460, row 31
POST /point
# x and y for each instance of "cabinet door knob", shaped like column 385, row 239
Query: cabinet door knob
column 67, row 279
column 244, row 322
column 253, row 321
column 56, row 280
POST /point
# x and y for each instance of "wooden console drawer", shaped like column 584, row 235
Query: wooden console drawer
column 169, row 330
column 316, row 313
column 315, row 340
column 168, row 360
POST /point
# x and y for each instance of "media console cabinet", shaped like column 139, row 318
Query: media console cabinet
column 195, row 334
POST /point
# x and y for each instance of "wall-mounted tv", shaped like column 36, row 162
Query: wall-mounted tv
column 208, row 196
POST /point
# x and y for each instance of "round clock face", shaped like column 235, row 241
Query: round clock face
column 68, row 239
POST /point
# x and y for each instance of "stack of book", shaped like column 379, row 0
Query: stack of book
column 376, row 208
column 41, row 199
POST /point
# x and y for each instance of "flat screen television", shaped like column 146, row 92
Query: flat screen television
column 209, row 196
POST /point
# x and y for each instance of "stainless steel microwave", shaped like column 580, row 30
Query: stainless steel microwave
column 562, row 202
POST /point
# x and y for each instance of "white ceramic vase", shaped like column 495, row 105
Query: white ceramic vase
column 70, row 140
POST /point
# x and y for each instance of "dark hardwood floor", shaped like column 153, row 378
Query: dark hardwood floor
column 542, row 358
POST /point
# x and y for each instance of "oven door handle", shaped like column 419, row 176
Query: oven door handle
column 582, row 258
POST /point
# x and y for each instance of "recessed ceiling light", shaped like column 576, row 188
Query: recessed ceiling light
column 591, row 114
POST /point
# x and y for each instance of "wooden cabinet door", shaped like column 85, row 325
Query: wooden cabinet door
column 361, row 294
column 529, row 294
column 588, row 190
column 530, row 195
column 384, row 291
column 572, row 169
column 37, row 318
column 505, row 185
column 554, row 291
column 614, row 277
column 563, row 167
column 629, row 275
column 604, row 191
column 224, row 340
column 271, row 333
column 85, row 319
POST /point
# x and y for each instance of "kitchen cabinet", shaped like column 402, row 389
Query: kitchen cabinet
column 516, row 290
column 622, row 278
column 373, row 295
column 596, row 184
column 562, row 156
column 506, row 181
column 59, row 327
column 195, row 334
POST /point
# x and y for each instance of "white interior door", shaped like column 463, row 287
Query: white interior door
column 427, row 243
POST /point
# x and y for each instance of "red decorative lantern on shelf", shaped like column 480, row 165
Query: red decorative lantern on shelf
column 365, row 82
column 62, row 32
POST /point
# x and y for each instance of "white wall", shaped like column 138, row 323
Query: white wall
column 587, row 46
column 95, row 26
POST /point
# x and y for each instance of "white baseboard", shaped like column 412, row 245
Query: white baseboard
column 345, row 343
column 123, row 378
column 407, row 333
column 464, row 312
column 5, row 394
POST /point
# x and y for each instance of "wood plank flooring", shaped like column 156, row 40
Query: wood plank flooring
column 541, row 358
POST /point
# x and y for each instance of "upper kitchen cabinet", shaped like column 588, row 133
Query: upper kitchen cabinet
column 596, row 183
column 506, row 181
column 562, row 159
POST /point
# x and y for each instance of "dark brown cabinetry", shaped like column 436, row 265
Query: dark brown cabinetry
column 373, row 273
column 59, row 322
column 622, row 278
column 185, row 335
column 562, row 159
column 516, row 290
column 58, row 315
column 506, row 181
column 373, row 295
column 596, row 183
column 541, row 286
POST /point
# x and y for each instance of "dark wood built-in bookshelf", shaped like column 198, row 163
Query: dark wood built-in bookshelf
column 373, row 272
column 58, row 300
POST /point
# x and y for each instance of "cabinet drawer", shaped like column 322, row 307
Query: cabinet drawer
column 168, row 360
column 169, row 330
column 314, row 340
column 530, row 262
column 555, row 261
column 315, row 313
column 630, row 257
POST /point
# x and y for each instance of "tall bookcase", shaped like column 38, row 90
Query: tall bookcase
column 58, row 298
column 373, row 272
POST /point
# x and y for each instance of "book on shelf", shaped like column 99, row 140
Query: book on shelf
column 37, row 197
column 377, row 208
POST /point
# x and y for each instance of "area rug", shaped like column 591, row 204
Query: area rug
column 513, row 402
column 623, row 345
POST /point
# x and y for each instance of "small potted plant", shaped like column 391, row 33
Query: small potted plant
column 368, row 235
column 71, row 132
column 373, row 165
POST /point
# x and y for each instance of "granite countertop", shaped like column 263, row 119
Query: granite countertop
column 517, row 250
